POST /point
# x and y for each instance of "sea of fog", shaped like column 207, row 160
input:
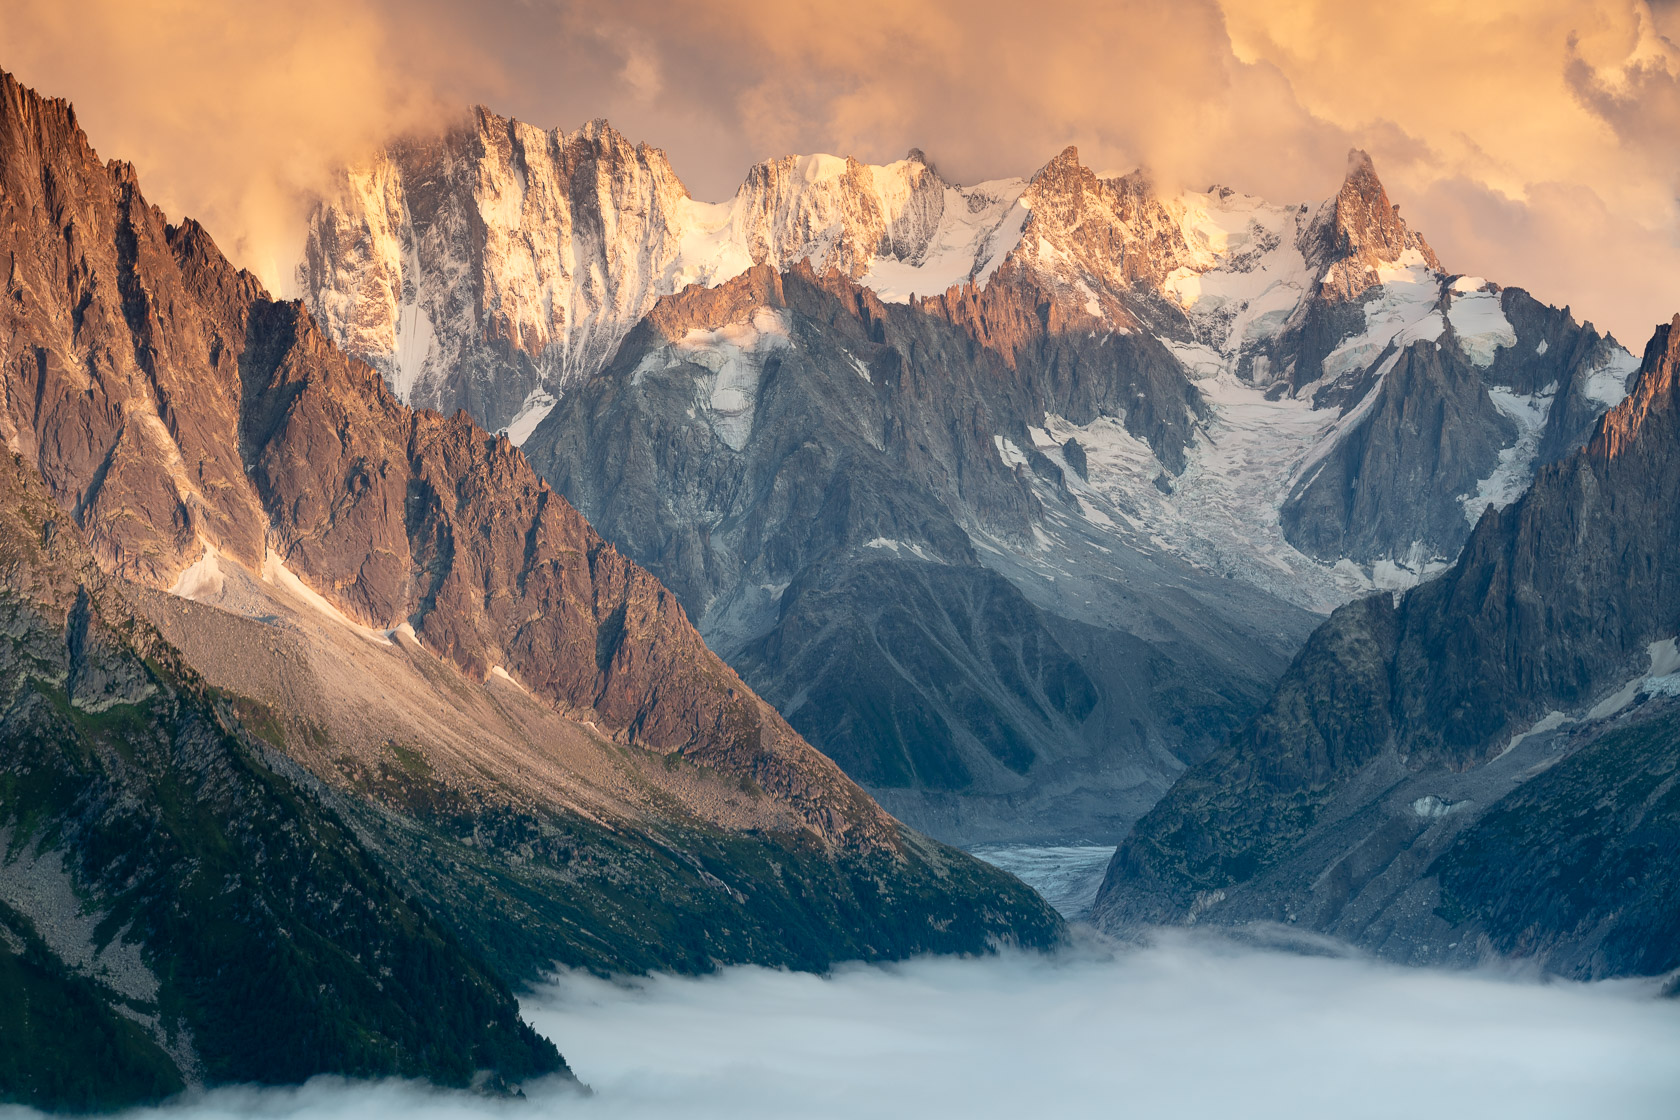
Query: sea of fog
column 1190, row 1026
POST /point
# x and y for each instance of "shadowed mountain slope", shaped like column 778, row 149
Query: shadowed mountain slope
column 1519, row 700
column 850, row 497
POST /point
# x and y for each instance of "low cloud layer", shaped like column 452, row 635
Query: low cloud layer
column 1190, row 1029
column 1531, row 140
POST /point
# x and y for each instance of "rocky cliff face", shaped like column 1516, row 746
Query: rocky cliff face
column 851, row 498
column 171, row 408
column 1412, row 742
column 267, row 502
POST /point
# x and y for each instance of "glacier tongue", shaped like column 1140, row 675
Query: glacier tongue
column 537, row 406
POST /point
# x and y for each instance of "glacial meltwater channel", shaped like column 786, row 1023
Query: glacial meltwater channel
column 1067, row 875
column 1191, row 1026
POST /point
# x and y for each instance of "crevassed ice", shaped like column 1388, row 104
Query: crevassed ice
column 1222, row 512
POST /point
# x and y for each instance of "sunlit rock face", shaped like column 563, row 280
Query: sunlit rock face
column 491, row 267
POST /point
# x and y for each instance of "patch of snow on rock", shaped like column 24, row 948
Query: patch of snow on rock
column 735, row 355
column 202, row 579
column 538, row 404
column 1478, row 320
column 1607, row 383
column 1516, row 463
column 276, row 573
column 889, row 545
column 1405, row 309
column 1008, row 452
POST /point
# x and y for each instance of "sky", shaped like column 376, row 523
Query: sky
column 1531, row 141
column 1187, row 1028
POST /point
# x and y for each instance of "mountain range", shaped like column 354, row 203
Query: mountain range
column 583, row 575
column 1485, row 765
column 1014, row 499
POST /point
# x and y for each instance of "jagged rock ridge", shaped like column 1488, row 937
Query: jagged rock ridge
column 1413, row 743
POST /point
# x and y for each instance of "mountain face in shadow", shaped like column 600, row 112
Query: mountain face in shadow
column 1486, row 763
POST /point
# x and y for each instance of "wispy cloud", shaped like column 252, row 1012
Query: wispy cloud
column 1530, row 139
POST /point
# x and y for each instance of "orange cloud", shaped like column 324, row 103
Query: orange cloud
column 1531, row 141
column 1539, row 136
column 233, row 113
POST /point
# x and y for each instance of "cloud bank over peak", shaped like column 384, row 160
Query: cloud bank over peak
column 1530, row 141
